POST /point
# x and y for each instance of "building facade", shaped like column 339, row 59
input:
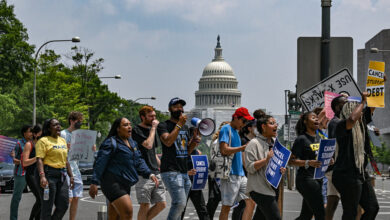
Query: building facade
column 382, row 42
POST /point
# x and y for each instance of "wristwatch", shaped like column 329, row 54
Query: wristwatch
column 306, row 164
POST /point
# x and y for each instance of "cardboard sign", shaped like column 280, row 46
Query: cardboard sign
column 340, row 82
column 201, row 165
column 325, row 154
column 7, row 144
column 280, row 159
column 375, row 85
column 81, row 145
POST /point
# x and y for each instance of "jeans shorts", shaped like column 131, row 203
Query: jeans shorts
column 233, row 189
column 147, row 192
column 77, row 190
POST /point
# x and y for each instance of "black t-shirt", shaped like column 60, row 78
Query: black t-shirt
column 306, row 147
column 332, row 127
column 140, row 134
column 174, row 158
column 345, row 163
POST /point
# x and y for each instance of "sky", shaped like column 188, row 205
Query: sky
column 160, row 47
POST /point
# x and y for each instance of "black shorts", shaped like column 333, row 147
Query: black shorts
column 112, row 187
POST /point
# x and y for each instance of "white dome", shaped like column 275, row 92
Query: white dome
column 218, row 85
column 218, row 68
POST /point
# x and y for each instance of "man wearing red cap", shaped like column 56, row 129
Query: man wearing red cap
column 233, row 189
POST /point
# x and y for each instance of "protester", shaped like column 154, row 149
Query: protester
column 75, row 120
column 332, row 194
column 213, row 183
column 233, row 189
column 349, row 175
column 176, row 146
column 247, row 133
column 19, row 171
column 116, row 169
column 145, row 134
column 257, row 155
column 304, row 154
column 52, row 165
column 29, row 162
column 196, row 196
column 322, row 132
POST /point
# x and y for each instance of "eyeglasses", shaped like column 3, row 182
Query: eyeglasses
column 272, row 123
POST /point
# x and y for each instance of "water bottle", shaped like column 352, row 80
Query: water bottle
column 46, row 192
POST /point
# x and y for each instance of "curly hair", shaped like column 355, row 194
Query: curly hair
column 301, row 128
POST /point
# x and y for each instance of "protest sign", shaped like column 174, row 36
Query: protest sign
column 340, row 82
column 201, row 165
column 329, row 96
column 375, row 85
column 81, row 145
column 280, row 159
column 325, row 154
column 7, row 144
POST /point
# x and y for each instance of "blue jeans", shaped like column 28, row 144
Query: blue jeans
column 19, row 185
column 178, row 186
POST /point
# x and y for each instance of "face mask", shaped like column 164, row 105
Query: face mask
column 77, row 125
column 176, row 114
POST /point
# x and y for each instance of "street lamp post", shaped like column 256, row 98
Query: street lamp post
column 112, row 77
column 75, row 40
column 152, row 98
column 376, row 50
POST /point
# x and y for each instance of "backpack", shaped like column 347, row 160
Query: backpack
column 220, row 165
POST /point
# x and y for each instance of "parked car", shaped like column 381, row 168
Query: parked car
column 86, row 170
column 6, row 177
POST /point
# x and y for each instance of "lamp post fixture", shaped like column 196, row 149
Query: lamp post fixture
column 74, row 40
column 376, row 50
column 112, row 77
column 152, row 98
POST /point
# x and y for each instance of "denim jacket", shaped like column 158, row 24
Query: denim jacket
column 120, row 160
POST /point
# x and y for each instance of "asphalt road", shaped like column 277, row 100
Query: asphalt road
column 88, row 207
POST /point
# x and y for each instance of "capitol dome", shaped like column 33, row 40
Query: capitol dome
column 218, row 85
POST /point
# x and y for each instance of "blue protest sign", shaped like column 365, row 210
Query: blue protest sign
column 280, row 159
column 201, row 165
column 325, row 154
column 7, row 144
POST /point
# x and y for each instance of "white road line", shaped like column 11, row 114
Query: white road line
column 383, row 213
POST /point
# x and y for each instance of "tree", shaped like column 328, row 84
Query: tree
column 16, row 60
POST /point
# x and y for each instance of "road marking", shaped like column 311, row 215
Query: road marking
column 88, row 199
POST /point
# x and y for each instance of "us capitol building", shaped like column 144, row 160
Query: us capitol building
column 217, row 97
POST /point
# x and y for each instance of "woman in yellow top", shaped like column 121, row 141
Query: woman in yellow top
column 52, row 164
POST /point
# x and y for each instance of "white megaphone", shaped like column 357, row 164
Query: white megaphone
column 206, row 126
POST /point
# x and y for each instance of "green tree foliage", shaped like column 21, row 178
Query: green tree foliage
column 381, row 154
column 15, row 53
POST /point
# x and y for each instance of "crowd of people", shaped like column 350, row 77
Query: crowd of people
column 127, row 157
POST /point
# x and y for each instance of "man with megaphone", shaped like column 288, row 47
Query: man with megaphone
column 176, row 146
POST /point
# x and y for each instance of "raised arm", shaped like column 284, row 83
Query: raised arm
column 357, row 112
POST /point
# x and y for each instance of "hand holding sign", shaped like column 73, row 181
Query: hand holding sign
column 325, row 154
column 279, row 159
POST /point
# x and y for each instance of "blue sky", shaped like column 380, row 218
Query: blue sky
column 160, row 47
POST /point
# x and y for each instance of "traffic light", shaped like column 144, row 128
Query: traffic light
column 293, row 103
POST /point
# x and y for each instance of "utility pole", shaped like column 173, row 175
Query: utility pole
column 325, row 38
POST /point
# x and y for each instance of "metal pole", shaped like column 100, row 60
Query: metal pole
column 75, row 39
column 325, row 38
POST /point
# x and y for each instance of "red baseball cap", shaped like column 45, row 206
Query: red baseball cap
column 243, row 112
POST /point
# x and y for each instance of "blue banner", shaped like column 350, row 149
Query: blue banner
column 325, row 154
column 280, row 159
column 201, row 165
column 7, row 144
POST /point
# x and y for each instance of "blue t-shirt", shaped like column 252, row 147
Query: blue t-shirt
column 237, row 168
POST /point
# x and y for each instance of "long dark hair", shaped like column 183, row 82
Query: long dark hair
column 36, row 129
column 114, row 128
column 301, row 128
column 46, row 127
column 263, row 119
